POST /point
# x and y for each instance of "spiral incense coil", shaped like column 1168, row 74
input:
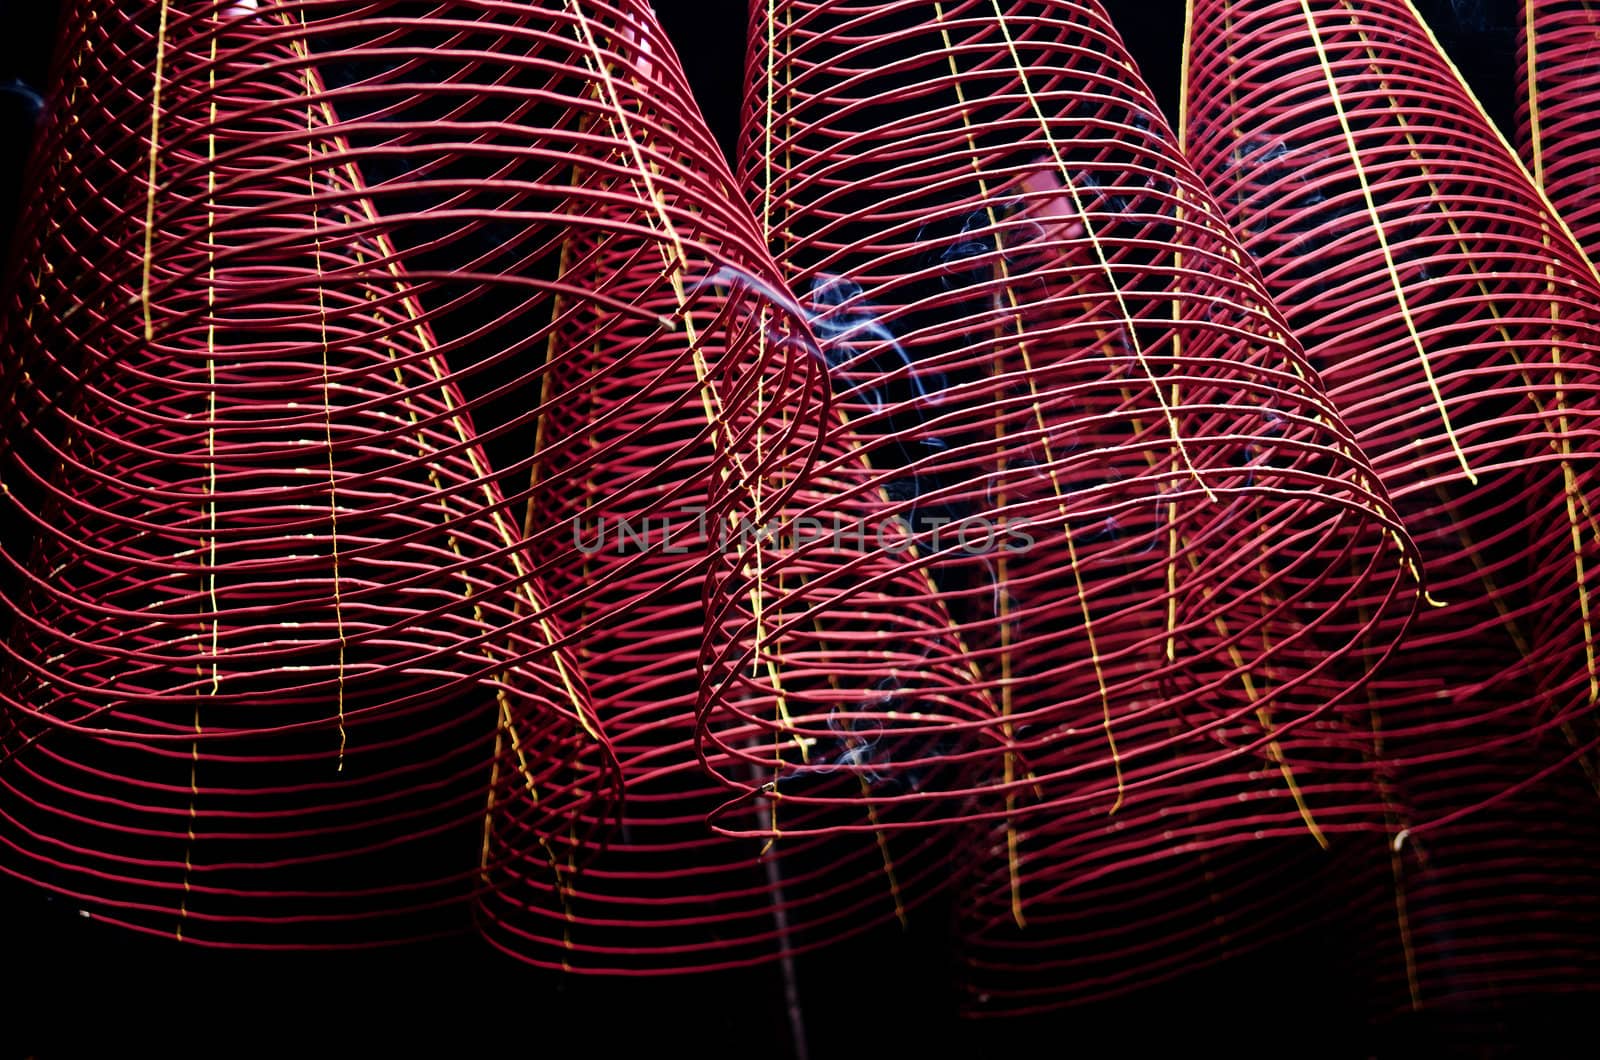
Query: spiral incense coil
column 1558, row 86
column 1454, row 321
column 1038, row 324
column 1453, row 317
column 628, row 462
column 285, row 667
column 1046, row 336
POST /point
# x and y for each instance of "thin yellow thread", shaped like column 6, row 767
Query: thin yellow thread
column 888, row 861
column 1099, row 250
column 546, row 388
column 1177, row 315
column 1574, row 497
column 1516, row 159
column 1263, row 715
column 1383, row 238
column 211, row 478
column 1569, row 480
column 506, row 725
column 1002, row 567
column 503, row 529
column 1551, row 214
column 1403, row 922
column 839, row 414
column 766, row 216
column 1039, row 419
column 1408, row 557
column 547, row 383
column 772, row 75
column 1537, row 132
column 766, row 213
column 150, row 198
column 1396, row 865
column 327, row 394
column 710, row 399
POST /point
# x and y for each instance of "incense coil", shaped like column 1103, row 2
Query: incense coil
column 275, row 640
column 861, row 262
column 627, row 468
column 1485, row 439
column 390, row 190
column 1556, row 91
column 1035, row 319
column 1453, row 317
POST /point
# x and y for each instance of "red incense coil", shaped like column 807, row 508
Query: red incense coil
column 1453, row 318
column 281, row 672
column 630, row 456
column 967, row 364
column 1037, row 322
column 1558, row 87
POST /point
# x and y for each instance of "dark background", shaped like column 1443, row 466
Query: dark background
column 73, row 987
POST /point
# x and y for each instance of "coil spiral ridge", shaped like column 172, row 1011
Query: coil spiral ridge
column 1453, row 317
column 1556, row 91
column 1037, row 321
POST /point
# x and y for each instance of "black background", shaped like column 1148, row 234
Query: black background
column 73, row 987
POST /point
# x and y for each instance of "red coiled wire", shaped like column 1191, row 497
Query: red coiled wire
column 1488, row 460
column 1453, row 318
column 630, row 454
column 278, row 650
column 367, row 318
column 520, row 203
column 1558, row 62
column 1038, row 324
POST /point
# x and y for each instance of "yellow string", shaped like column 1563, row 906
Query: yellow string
column 1099, row 249
column 1383, row 238
column 327, row 393
column 150, row 197
column 211, row 477
column 769, row 106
